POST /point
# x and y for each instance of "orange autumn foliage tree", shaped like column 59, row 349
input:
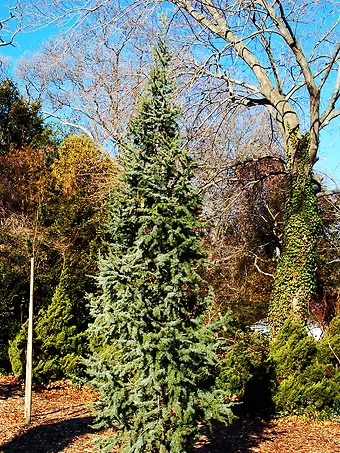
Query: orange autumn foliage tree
column 81, row 179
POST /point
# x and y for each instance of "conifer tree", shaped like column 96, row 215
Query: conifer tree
column 21, row 121
column 153, row 358
column 57, row 344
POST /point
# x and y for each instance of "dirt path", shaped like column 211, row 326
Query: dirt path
column 61, row 422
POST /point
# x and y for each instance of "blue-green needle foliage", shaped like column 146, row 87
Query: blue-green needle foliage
column 154, row 358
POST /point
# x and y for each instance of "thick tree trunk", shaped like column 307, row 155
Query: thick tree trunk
column 295, row 281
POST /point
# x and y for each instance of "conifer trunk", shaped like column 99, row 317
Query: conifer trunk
column 295, row 282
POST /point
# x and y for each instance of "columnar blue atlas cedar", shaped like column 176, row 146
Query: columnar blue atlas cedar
column 153, row 357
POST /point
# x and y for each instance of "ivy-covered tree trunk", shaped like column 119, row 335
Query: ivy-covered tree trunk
column 295, row 282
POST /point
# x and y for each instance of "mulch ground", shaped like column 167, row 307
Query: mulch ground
column 61, row 422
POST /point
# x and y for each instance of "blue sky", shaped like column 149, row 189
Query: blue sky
column 329, row 153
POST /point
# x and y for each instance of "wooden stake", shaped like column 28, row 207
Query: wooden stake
column 29, row 358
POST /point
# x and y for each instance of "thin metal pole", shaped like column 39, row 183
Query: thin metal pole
column 29, row 358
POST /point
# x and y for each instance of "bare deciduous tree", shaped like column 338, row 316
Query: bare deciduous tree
column 89, row 77
column 283, row 56
column 241, row 180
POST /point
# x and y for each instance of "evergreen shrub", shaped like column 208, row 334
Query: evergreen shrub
column 17, row 351
column 294, row 374
column 329, row 345
column 57, row 347
column 246, row 374
column 307, row 380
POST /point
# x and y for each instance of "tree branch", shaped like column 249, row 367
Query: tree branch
column 14, row 13
column 73, row 125
column 259, row 269
column 289, row 36
column 327, row 193
column 330, row 113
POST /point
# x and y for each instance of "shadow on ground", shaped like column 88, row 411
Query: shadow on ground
column 9, row 391
column 49, row 438
column 239, row 437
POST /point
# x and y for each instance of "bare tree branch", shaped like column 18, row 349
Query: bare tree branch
column 330, row 112
column 11, row 25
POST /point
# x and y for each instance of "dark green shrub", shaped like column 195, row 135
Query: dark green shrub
column 57, row 346
column 296, row 374
column 17, row 351
column 241, row 362
column 292, row 350
column 246, row 374
column 329, row 345
column 306, row 380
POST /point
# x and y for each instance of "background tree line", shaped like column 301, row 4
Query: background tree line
column 269, row 66
column 53, row 194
